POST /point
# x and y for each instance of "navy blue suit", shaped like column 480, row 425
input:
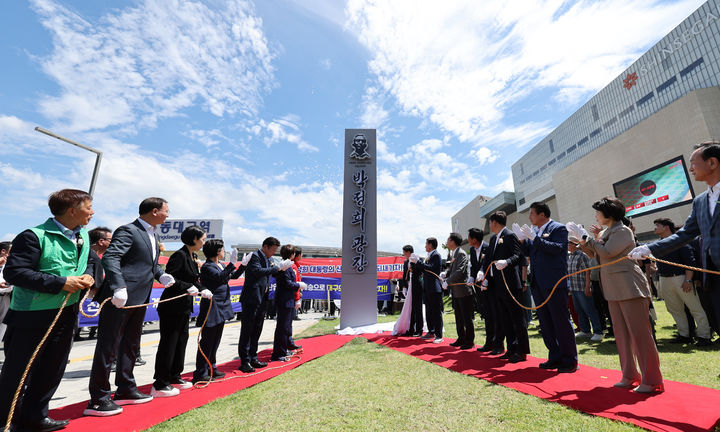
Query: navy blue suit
column 214, row 277
column 699, row 223
column 286, row 287
column 433, row 290
column 548, row 262
column 254, row 302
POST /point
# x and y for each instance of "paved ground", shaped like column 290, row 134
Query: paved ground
column 74, row 386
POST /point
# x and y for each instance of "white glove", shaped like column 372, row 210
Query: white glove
column 576, row 230
column 518, row 231
column 405, row 292
column 285, row 264
column 297, row 304
column 528, row 232
column 639, row 253
column 206, row 293
column 193, row 291
column 501, row 264
column 414, row 258
column 484, row 285
column 445, row 285
column 470, row 280
column 166, row 280
column 246, row 259
column 480, row 275
column 233, row 256
column 119, row 297
column 443, row 275
column 303, row 285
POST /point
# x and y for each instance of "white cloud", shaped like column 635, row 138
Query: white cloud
column 140, row 64
column 465, row 65
column 284, row 129
column 326, row 63
column 484, row 155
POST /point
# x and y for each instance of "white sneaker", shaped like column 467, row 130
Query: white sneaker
column 168, row 391
column 438, row 340
column 582, row 334
column 596, row 337
column 182, row 384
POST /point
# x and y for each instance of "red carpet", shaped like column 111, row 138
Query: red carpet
column 682, row 407
column 143, row 416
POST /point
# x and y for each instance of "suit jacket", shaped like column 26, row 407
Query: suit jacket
column 623, row 280
column 475, row 262
column 215, row 278
column 548, row 256
column 286, row 286
column 129, row 263
column 504, row 246
column 184, row 269
column 433, row 263
column 457, row 273
column 95, row 269
column 257, row 278
column 405, row 281
column 699, row 223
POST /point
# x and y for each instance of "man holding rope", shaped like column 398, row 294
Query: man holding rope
column 131, row 264
column 47, row 267
column 703, row 220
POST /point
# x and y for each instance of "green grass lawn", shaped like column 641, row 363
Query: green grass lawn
column 363, row 386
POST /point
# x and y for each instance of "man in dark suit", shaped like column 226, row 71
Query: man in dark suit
column 547, row 247
column 430, row 270
column 411, row 280
column 131, row 264
column 505, row 249
column 478, row 249
column 462, row 293
column 703, row 221
column 46, row 265
column 253, row 298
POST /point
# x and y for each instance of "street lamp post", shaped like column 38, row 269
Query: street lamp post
column 98, row 154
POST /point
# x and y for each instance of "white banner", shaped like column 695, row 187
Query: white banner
column 172, row 228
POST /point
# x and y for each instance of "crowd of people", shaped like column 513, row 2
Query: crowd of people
column 50, row 267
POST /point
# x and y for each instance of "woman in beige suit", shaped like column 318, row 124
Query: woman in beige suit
column 628, row 295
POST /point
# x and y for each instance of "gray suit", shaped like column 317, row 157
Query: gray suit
column 129, row 263
column 462, row 298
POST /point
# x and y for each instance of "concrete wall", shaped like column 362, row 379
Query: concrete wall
column 666, row 134
column 468, row 217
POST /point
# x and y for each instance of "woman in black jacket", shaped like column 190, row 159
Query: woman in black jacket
column 214, row 277
column 175, row 315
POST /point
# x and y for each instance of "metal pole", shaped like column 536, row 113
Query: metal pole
column 98, row 153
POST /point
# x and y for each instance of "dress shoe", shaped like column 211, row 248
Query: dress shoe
column 257, row 364
column 467, row 346
column 417, row 334
column 245, row 368
column 567, row 368
column 484, row 348
column 702, row 342
column 506, row 356
column 132, row 398
column 280, row 359
column 456, row 344
column 623, row 383
column 295, row 347
column 549, row 365
column 428, row 335
column 496, row 351
column 205, row 378
column 45, row 425
column 218, row 375
column 517, row 358
column 678, row 339
column 647, row 388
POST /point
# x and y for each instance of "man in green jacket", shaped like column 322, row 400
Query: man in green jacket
column 46, row 265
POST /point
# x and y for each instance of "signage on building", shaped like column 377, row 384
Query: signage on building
column 172, row 228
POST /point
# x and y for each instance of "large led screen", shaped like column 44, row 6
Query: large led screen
column 659, row 188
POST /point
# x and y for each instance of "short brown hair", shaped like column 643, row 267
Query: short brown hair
column 63, row 200
column 287, row 251
column 610, row 207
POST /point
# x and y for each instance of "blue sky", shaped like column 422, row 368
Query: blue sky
column 236, row 110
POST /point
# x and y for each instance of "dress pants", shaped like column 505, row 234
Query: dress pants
column 633, row 337
column 670, row 289
column 555, row 324
column 416, row 315
column 252, row 318
column 209, row 343
column 170, row 357
column 283, row 331
column 512, row 318
column 119, row 332
column 494, row 327
column 434, row 312
column 464, row 320
column 45, row 373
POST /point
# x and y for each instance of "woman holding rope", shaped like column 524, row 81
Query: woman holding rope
column 627, row 293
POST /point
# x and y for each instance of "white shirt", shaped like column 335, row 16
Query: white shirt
column 713, row 196
column 542, row 228
column 151, row 233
